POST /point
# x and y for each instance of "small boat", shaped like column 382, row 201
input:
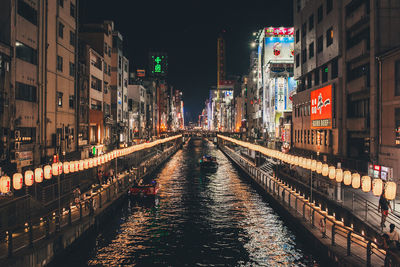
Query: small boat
column 208, row 162
column 144, row 190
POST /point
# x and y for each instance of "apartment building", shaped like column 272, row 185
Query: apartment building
column 96, row 41
column 60, row 97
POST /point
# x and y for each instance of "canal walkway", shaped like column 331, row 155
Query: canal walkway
column 93, row 203
column 341, row 241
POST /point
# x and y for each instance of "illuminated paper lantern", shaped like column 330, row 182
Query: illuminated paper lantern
column 18, row 181
column 347, row 177
column 325, row 169
column 390, row 190
column 332, row 172
column 90, row 163
column 377, row 187
column 72, row 166
column 313, row 165
column 319, row 167
column 5, row 184
column 38, row 175
column 296, row 160
column 47, row 172
column 81, row 166
column 366, row 183
column 60, row 168
column 66, row 167
column 355, row 180
column 95, row 162
column 29, row 178
column 76, row 163
column 86, row 164
column 339, row 175
column 54, row 169
column 305, row 163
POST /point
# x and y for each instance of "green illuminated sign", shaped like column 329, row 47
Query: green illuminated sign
column 159, row 65
column 94, row 150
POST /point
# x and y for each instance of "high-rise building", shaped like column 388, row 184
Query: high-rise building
column 95, row 51
column 336, row 106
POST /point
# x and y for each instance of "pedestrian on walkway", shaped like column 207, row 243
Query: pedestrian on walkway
column 77, row 195
column 393, row 235
column 383, row 208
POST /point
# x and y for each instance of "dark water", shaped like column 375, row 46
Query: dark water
column 199, row 219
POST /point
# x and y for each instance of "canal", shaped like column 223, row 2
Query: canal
column 198, row 219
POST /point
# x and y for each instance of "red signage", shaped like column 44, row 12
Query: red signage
column 321, row 108
column 271, row 31
column 141, row 73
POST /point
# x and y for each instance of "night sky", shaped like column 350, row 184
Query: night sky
column 188, row 32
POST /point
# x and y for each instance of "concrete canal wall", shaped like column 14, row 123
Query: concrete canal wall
column 337, row 244
column 80, row 222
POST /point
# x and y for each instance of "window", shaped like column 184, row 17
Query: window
column 352, row 40
column 95, row 84
column 125, row 99
column 27, row 134
column 25, row 92
column 297, row 35
column 320, row 44
column 26, row 53
column 71, row 69
column 95, row 105
column 397, row 125
column 72, row 38
column 311, row 22
column 358, row 108
column 59, row 63
column 119, row 63
column 304, row 55
column 126, row 67
column 71, row 101
column 325, row 73
column 309, row 81
column 308, row 137
column 59, row 99
column 335, row 69
column 329, row 6
column 357, row 72
column 109, row 70
column 125, row 83
column 329, row 36
column 397, row 78
column 119, row 80
column 298, row 5
column 297, row 60
column 61, row 3
column 320, row 13
column 316, row 77
column 311, row 50
column 105, row 48
column 105, row 67
column 312, row 137
column 27, row 12
column 106, row 109
column 304, row 29
column 60, row 30
column 72, row 10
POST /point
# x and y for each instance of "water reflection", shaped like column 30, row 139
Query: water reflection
column 198, row 219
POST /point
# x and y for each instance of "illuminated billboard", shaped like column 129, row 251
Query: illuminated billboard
column 279, row 49
column 321, row 108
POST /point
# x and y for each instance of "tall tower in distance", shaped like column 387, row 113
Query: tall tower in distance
column 221, row 72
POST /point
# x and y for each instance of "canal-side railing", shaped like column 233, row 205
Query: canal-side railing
column 92, row 202
column 332, row 231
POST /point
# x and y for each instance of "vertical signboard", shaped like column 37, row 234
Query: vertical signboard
column 280, row 89
column 321, row 108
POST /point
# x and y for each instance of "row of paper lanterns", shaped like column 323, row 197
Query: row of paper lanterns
column 30, row 177
column 354, row 179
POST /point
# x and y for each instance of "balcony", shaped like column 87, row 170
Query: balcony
column 356, row 124
column 357, row 51
column 357, row 85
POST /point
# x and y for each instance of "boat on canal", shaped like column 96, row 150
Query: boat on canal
column 208, row 163
column 144, row 190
